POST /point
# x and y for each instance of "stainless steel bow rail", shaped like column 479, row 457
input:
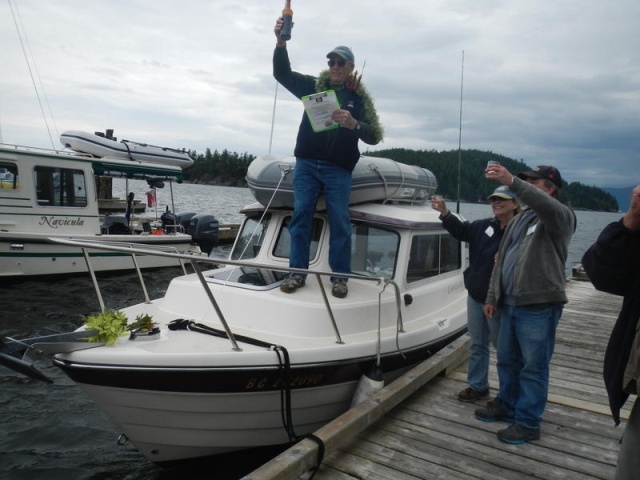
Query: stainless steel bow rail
column 196, row 263
column 128, row 248
column 19, row 354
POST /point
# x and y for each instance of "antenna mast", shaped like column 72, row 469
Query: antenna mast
column 460, row 132
column 273, row 116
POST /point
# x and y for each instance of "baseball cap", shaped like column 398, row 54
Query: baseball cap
column 343, row 52
column 543, row 171
column 503, row 192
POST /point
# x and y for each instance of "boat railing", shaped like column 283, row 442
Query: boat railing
column 196, row 261
column 44, row 150
column 133, row 249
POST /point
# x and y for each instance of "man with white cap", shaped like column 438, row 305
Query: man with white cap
column 325, row 159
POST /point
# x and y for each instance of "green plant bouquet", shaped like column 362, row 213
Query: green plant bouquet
column 110, row 325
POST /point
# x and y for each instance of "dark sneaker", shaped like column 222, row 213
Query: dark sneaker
column 291, row 283
column 339, row 289
column 471, row 395
column 495, row 411
column 516, row 434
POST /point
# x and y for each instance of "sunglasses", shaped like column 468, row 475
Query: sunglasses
column 340, row 63
column 497, row 199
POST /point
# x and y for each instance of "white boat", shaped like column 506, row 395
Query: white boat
column 270, row 179
column 106, row 145
column 235, row 363
column 55, row 194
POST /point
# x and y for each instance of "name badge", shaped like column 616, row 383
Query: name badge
column 489, row 231
column 532, row 229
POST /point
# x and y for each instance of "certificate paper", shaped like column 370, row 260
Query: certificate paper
column 319, row 107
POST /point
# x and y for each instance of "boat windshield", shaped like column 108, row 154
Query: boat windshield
column 283, row 243
column 374, row 250
column 250, row 238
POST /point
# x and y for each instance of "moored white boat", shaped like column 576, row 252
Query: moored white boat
column 105, row 145
column 235, row 363
column 55, row 194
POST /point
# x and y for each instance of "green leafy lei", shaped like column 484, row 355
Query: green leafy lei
column 354, row 84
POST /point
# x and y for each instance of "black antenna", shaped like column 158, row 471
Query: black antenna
column 460, row 133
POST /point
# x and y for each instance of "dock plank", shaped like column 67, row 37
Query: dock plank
column 432, row 435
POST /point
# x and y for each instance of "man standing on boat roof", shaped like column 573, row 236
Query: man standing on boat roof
column 528, row 283
column 325, row 159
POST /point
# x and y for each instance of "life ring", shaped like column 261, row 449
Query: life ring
column 158, row 231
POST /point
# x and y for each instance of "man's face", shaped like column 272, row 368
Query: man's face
column 339, row 70
column 539, row 183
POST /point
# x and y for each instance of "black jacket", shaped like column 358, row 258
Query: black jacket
column 338, row 146
column 613, row 266
column 484, row 238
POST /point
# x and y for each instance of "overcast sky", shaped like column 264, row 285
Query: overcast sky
column 544, row 82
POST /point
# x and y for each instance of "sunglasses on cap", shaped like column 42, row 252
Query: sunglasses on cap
column 341, row 63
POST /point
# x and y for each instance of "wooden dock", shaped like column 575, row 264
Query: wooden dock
column 227, row 233
column 416, row 428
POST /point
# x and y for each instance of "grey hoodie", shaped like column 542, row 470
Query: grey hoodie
column 539, row 275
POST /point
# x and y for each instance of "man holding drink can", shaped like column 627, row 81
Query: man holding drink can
column 528, row 285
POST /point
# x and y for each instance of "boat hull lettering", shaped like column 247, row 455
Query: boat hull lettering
column 56, row 222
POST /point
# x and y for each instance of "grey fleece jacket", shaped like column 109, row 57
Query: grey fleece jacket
column 542, row 252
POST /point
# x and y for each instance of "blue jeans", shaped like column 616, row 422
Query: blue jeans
column 525, row 344
column 313, row 178
column 481, row 330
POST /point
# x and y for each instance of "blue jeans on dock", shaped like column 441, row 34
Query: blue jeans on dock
column 313, row 178
column 525, row 345
column 481, row 330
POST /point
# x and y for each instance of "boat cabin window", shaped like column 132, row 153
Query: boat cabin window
column 9, row 176
column 374, row 251
column 250, row 238
column 60, row 187
column 283, row 244
column 433, row 255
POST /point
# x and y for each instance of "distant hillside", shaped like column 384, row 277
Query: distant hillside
column 230, row 169
column 474, row 187
column 622, row 195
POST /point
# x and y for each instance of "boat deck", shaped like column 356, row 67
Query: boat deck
column 431, row 434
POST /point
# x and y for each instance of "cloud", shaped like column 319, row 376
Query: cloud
column 543, row 82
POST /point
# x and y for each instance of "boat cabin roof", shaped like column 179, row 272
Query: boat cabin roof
column 109, row 166
column 419, row 217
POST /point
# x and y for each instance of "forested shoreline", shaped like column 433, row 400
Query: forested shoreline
column 230, row 168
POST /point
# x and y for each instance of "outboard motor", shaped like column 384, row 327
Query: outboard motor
column 115, row 225
column 203, row 228
column 176, row 222
column 169, row 221
column 183, row 220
